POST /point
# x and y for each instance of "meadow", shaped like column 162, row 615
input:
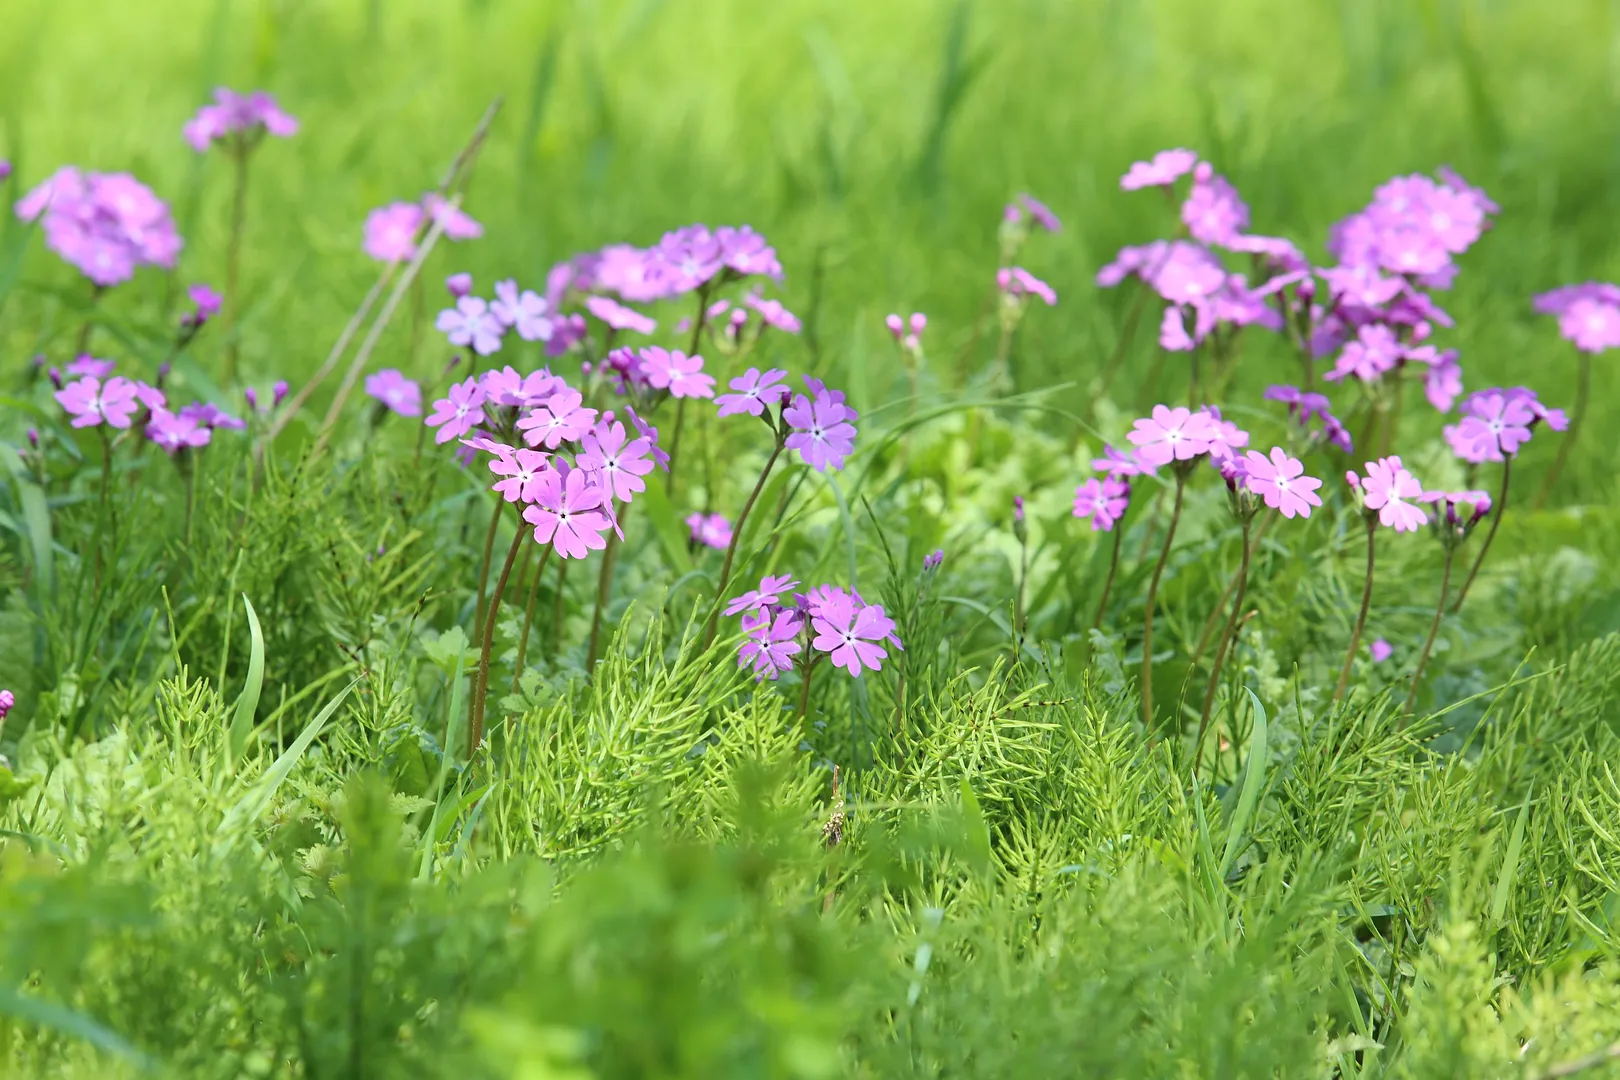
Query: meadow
column 411, row 652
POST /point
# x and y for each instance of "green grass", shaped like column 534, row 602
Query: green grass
column 234, row 843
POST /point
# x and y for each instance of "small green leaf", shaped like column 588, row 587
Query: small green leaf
column 1510, row 862
column 1254, row 777
column 248, row 704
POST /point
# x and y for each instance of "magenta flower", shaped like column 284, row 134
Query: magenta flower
column 247, row 117
column 710, row 530
column 205, row 304
column 1591, row 325
column 1016, row 281
column 1213, row 212
column 177, row 432
column 619, row 462
column 1040, row 213
column 391, row 231
column 1185, row 273
column 459, row 413
column 8, row 701
column 471, row 324
column 523, row 473
column 650, row 433
column 1494, row 424
column 771, row 643
column 774, row 313
column 400, row 395
column 1281, row 482
column 1380, row 650
column 562, row 418
column 822, row 434
column 1443, row 381
column 1557, row 301
column 90, row 365
column 1374, row 352
column 745, row 253
column 1387, row 488
column 689, row 258
column 207, row 413
column 676, row 372
column 529, row 313
column 619, row 317
column 1103, row 501
column 454, row 222
column 767, row 595
column 754, row 392
column 566, row 514
column 1227, row 438
column 1120, row 463
column 458, row 285
column 933, row 559
column 1166, row 167
column 850, row 634
column 92, row 403
column 1459, row 508
column 105, row 225
column 1177, row 434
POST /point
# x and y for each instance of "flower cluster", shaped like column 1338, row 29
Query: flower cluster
column 239, row 120
column 780, row 624
column 392, row 231
column 99, row 398
column 709, row 530
column 104, row 224
column 395, row 393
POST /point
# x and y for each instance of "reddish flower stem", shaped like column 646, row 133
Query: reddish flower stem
column 1496, row 523
column 1361, row 616
column 475, row 732
column 1152, row 597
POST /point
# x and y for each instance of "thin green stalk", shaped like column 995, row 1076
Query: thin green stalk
column 604, row 590
column 1496, row 523
column 1152, row 597
column 82, row 344
column 1583, row 388
column 1242, row 581
column 1361, row 616
column 233, row 258
column 1108, row 582
column 698, row 322
column 475, row 734
column 736, row 537
column 1214, row 619
column 1434, row 629
column 557, row 608
column 483, row 584
column 528, row 618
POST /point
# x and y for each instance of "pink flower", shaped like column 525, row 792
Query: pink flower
column 528, row 313
column 523, row 472
column 1185, row 273
column 754, row 392
column 619, row 463
column 90, row 365
column 1557, row 301
column 470, row 323
column 566, row 515
column 772, row 641
column 244, row 115
column 1120, row 463
column 1103, row 501
column 1374, row 352
column 1040, row 212
column 459, row 413
column 458, row 285
column 822, row 434
column 676, row 372
column 1016, row 281
column 399, row 394
column 92, row 403
column 1443, row 381
column 1380, row 650
column 1494, row 424
column 769, row 592
column 774, row 313
column 562, row 418
column 1172, row 435
column 850, row 634
column 1591, row 325
column 1459, row 508
column 1386, row 489
column 619, row 317
column 1213, row 212
column 175, row 433
column 710, row 530
column 1166, row 167
column 391, row 232
column 453, row 221
column 1281, row 482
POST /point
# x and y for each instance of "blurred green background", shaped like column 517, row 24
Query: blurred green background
column 873, row 143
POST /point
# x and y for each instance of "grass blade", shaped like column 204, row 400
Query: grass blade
column 1510, row 863
column 1254, row 778
column 248, row 704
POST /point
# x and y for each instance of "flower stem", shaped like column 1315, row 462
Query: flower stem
column 1126, row 334
column 1108, row 582
column 698, row 322
column 1152, row 596
column 1496, row 522
column 1434, row 629
column 82, row 345
column 528, row 617
column 804, row 690
column 233, row 260
column 1361, row 616
column 557, row 608
column 483, row 584
column 736, row 537
column 1220, row 605
column 1242, row 583
column 1583, row 387
column 475, row 733
column 604, row 590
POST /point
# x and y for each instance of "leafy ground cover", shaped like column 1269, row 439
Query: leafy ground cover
column 1159, row 626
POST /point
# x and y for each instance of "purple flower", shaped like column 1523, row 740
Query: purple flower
column 92, row 403
column 1120, row 463
column 1374, row 352
column 1495, row 425
column 458, row 285
column 177, row 432
column 933, row 559
column 1380, row 650
column 90, row 365
column 1016, row 281
column 399, row 394
column 1213, row 212
column 619, row 317
column 822, row 433
column 1041, row 213
column 1387, row 488
column 690, row 257
column 1591, row 325
column 850, row 634
column 566, row 514
column 244, row 115
column 1103, row 501
column 528, row 312
column 1168, row 435
column 1185, row 274
column 459, row 413
column 523, row 472
column 562, row 418
column 453, row 221
column 774, row 313
column 1281, row 482
column 391, row 231
column 754, row 392
column 771, row 643
column 650, row 433
column 1459, row 508
column 767, row 595
column 710, row 530
column 745, row 253
column 1557, row 301
column 104, row 224
column 619, row 462
column 470, row 323
column 8, row 701
column 1166, row 167
column 208, row 414
column 676, row 372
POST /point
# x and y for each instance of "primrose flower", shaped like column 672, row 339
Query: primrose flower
column 393, row 390
column 1103, row 501
column 1591, row 325
column 561, row 418
column 773, row 313
column 103, row 224
column 676, row 372
column 566, row 514
column 822, row 433
column 1458, row 511
column 528, row 313
column 619, row 317
column 458, row 285
column 1213, row 212
column 745, row 253
column 710, row 530
column 1168, row 435
column 92, row 403
column 1374, row 352
column 247, row 117
column 754, row 392
column 1280, row 481
column 1165, row 168
column 1018, row 282
column 771, row 643
column 454, row 222
column 690, row 257
column 1495, row 425
column 458, row 413
column 523, row 472
column 1120, row 463
column 619, row 462
column 650, row 433
column 176, row 432
column 849, row 632
column 899, row 327
column 471, row 324
column 391, row 232
column 767, row 595
column 1387, row 488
